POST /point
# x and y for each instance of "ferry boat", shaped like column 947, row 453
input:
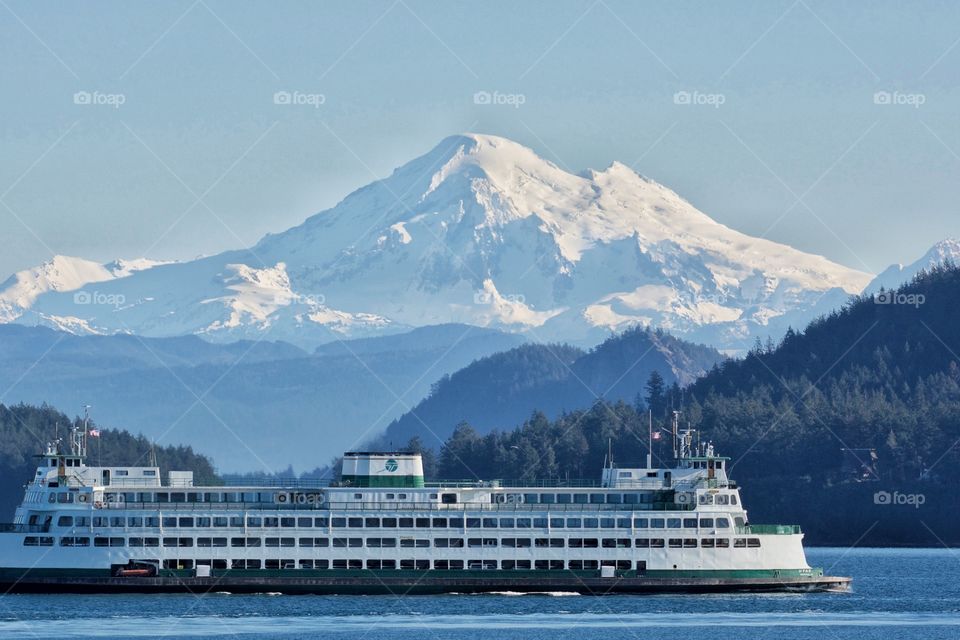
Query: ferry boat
column 381, row 528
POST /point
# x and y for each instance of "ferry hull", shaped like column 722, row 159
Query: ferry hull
column 371, row 583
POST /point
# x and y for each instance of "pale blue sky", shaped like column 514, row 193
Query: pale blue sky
column 877, row 183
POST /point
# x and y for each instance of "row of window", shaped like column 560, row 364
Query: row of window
column 256, row 522
column 390, row 543
column 273, row 497
column 406, row 565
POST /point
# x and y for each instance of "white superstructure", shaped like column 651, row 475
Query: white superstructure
column 687, row 520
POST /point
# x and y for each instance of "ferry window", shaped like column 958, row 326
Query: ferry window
column 673, row 523
column 321, row 542
column 689, row 543
column 406, row 543
column 406, row 523
column 523, row 543
column 211, row 497
column 288, row 522
column 81, row 521
column 150, row 472
column 231, row 496
column 738, row 521
column 656, row 543
column 271, row 522
column 489, row 523
column 65, row 521
column 722, row 523
column 531, row 498
column 287, row 542
column 358, row 496
column 623, row 523
column 547, row 498
column 117, row 522
column 186, row 522
column 563, row 498
column 455, row 523
column 439, row 523
column 402, row 496
column 739, row 543
column 134, row 542
column 689, row 523
column 630, row 498
column 675, row 543
column 433, row 496
column 356, row 542
column 151, row 542
column 272, row 564
column 707, row 523
column 440, row 543
column 169, row 521
column 575, row 565
column 64, row 498
column 339, row 543
column 253, row 542
column 607, row 523
column 355, row 523
column 238, row 542
column 540, row 523
column 306, row 542
column 723, row 499
column 98, row 521
column 391, row 496
column 305, row 522
column 321, row 522
column 614, row 498
column 753, row 542
column 448, row 498
column 642, row 543
column 340, row 522
column 167, row 542
column 423, row 523
column 657, row 523
column 271, row 542
column 194, row 497
column 250, row 496
column 597, row 498
column 204, row 542
column 705, row 498
column 508, row 542
column 388, row 523
column 556, row 522
column 339, row 564
column 135, row 521
column 733, row 498
column 573, row 523
column 178, row 497
column 723, row 543
column 506, row 523
column 220, row 521
column 707, row 543
column 581, row 498
column 590, row 523
column 523, row 523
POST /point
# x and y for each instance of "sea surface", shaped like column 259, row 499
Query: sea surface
column 897, row 593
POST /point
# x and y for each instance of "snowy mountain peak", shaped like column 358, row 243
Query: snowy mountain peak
column 898, row 274
column 481, row 230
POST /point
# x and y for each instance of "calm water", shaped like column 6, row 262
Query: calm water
column 902, row 594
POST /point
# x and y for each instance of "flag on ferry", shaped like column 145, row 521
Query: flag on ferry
column 94, row 433
column 656, row 435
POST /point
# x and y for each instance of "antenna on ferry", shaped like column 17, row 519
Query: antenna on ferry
column 676, row 428
column 650, row 439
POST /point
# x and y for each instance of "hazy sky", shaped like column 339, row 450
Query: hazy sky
column 183, row 150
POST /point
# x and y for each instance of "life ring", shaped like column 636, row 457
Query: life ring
column 282, row 497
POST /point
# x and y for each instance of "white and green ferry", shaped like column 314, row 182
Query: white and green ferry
column 381, row 528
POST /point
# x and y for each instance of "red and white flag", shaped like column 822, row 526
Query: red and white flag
column 94, row 433
column 656, row 435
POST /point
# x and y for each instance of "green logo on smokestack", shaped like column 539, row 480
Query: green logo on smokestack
column 392, row 465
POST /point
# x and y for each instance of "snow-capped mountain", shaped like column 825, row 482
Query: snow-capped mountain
column 897, row 274
column 482, row 231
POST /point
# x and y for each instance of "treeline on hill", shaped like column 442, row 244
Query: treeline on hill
column 25, row 430
column 844, row 427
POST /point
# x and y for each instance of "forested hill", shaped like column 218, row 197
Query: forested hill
column 502, row 390
column 879, row 378
column 25, row 430
column 883, row 372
